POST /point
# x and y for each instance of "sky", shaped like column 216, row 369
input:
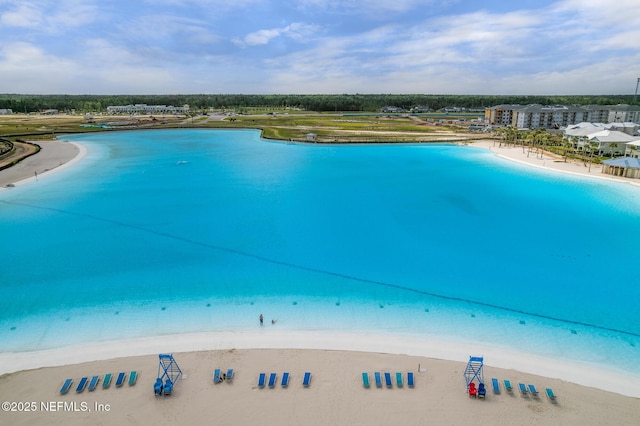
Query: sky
column 490, row 47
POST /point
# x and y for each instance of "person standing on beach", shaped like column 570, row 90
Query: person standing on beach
column 261, row 319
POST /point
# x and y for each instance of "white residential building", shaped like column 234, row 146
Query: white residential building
column 147, row 109
column 632, row 149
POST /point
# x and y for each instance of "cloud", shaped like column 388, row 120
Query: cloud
column 320, row 46
column 49, row 17
column 368, row 7
column 296, row 31
column 26, row 67
column 22, row 14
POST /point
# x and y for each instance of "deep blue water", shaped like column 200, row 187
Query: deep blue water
column 157, row 232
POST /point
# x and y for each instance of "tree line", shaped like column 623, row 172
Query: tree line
column 23, row 103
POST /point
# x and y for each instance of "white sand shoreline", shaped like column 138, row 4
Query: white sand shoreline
column 546, row 162
column 270, row 338
column 52, row 158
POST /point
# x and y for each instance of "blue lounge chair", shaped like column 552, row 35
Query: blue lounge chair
column 507, row 385
column 168, row 387
column 93, row 383
column 533, row 390
column 120, row 379
column 285, row 379
column 550, row 394
column 387, row 379
column 66, row 386
column 133, row 377
column 482, row 391
column 82, row 384
column 399, row 379
column 496, row 385
column 410, row 381
column 523, row 389
column 157, row 387
column 365, row 380
column 261, row 380
column 216, row 376
column 229, row 376
column 272, row 379
column 378, row 379
column 306, row 380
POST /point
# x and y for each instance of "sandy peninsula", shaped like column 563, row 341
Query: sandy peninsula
column 53, row 154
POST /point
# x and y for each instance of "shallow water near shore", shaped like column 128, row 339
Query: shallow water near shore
column 182, row 231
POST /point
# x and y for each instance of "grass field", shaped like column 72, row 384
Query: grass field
column 327, row 127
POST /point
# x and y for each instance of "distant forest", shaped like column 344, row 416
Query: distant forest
column 320, row 103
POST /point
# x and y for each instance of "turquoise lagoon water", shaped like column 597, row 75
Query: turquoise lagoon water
column 161, row 232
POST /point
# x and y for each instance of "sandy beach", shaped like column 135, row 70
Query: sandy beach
column 53, row 154
column 30, row 382
column 336, row 395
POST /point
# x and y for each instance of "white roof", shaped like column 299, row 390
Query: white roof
column 584, row 129
column 610, row 136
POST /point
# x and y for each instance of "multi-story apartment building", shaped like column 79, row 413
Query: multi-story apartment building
column 501, row 115
column 556, row 116
column 623, row 113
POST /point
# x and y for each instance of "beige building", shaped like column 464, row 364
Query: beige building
column 559, row 116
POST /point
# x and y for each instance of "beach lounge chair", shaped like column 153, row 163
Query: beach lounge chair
column 168, row 387
column 93, row 383
column 507, row 385
column 272, row 379
column 285, row 379
column 133, row 377
column 482, row 390
column 410, row 381
column 306, row 380
column 216, row 376
column 387, row 379
column 496, row 385
column 107, row 381
column 261, row 380
column 82, row 384
column 365, row 380
column 533, row 390
column 399, row 379
column 378, row 379
column 120, row 379
column 550, row 394
column 157, row 387
column 523, row 389
column 66, row 386
column 473, row 391
column 229, row 376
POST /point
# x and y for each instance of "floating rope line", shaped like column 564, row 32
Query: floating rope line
column 323, row 271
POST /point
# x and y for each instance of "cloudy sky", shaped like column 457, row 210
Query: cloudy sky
column 319, row 46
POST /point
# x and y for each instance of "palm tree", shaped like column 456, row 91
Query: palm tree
column 612, row 146
column 592, row 148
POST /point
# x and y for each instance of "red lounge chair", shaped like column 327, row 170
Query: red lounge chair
column 472, row 389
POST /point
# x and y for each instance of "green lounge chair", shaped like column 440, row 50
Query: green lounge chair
column 365, row 380
column 399, row 379
column 550, row 394
column 107, row 380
